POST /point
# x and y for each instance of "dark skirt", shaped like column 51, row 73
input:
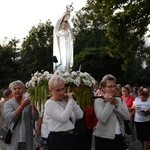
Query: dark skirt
column 21, row 145
column 110, row 144
column 143, row 130
column 62, row 141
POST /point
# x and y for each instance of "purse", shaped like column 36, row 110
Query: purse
column 6, row 133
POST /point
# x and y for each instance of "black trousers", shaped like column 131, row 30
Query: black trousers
column 110, row 144
column 62, row 141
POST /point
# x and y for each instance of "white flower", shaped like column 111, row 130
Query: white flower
column 77, row 81
column 74, row 74
column 49, row 76
column 36, row 73
column 93, row 80
column 69, row 80
column 46, row 73
column 33, row 83
column 66, row 74
column 27, row 84
column 87, row 82
column 39, row 80
column 58, row 72
column 75, row 77
column 86, row 75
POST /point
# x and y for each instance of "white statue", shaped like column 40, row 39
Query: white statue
column 63, row 42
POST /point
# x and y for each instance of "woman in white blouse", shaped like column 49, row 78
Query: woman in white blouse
column 61, row 112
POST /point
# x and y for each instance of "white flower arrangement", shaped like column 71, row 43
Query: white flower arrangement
column 81, row 83
column 77, row 78
column 37, row 78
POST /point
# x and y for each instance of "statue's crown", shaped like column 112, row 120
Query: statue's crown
column 69, row 8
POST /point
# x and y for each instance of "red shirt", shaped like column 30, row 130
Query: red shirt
column 128, row 101
column 90, row 117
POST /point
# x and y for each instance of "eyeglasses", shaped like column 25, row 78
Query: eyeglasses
column 111, row 86
column 60, row 90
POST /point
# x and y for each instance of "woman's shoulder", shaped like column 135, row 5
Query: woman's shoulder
column 99, row 100
column 50, row 102
column 131, row 97
column 11, row 101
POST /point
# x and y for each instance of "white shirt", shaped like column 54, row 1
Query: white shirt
column 58, row 114
column 140, row 105
column 117, row 130
column 44, row 128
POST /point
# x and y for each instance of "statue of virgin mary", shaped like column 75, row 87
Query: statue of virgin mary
column 63, row 42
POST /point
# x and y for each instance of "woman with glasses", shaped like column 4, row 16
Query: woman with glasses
column 110, row 112
column 61, row 112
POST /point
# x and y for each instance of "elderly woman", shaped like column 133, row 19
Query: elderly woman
column 19, row 109
column 61, row 112
column 110, row 112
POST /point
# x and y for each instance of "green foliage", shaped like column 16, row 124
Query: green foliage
column 88, row 33
column 39, row 93
column 83, row 95
column 103, row 27
column 125, row 23
column 9, row 63
column 37, row 49
column 98, row 63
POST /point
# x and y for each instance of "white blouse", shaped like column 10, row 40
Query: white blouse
column 58, row 114
column 141, row 106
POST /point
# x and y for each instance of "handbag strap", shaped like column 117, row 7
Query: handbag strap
column 16, row 123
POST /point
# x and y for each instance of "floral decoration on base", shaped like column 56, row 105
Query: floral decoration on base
column 81, row 84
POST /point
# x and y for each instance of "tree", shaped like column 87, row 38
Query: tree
column 37, row 49
column 91, row 32
column 9, row 64
column 98, row 63
column 126, row 24
column 87, row 34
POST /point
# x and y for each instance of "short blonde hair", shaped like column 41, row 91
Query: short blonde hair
column 55, row 79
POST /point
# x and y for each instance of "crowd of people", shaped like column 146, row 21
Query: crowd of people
column 55, row 126
column 137, row 100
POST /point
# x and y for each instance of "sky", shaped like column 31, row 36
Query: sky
column 19, row 16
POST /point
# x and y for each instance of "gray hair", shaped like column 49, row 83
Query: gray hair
column 18, row 82
column 55, row 79
column 106, row 78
